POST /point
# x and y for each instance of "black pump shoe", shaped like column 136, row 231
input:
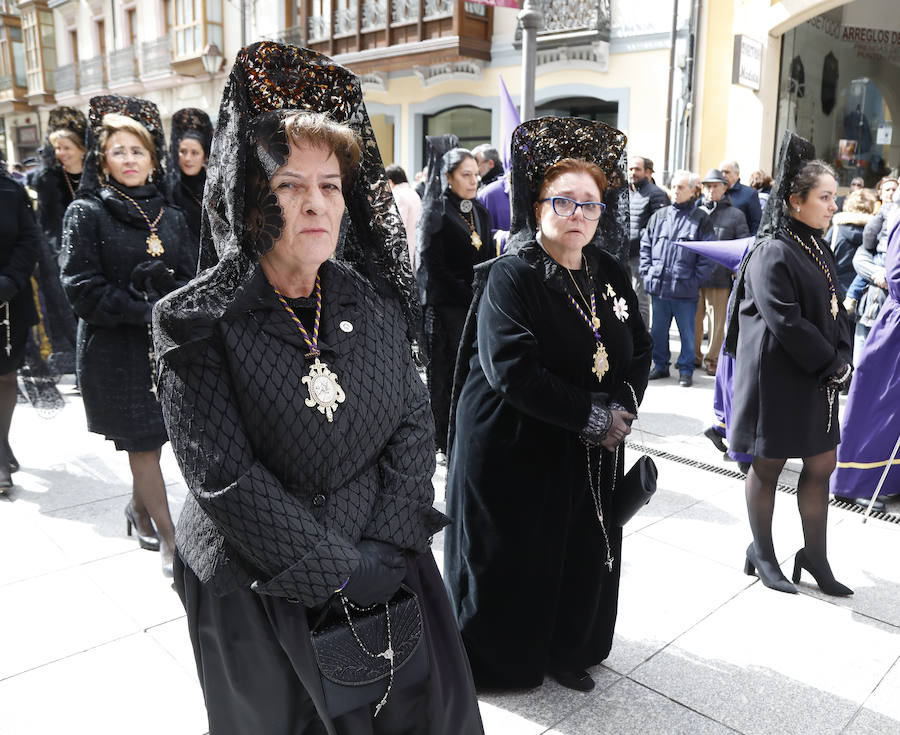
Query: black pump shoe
column 580, row 681
column 716, row 439
column 823, row 575
column 771, row 578
column 150, row 541
column 11, row 459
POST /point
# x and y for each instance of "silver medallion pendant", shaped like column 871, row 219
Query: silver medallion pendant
column 324, row 391
column 465, row 206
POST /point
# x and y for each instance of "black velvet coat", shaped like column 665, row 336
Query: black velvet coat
column 788, row 344
column 187, row 193
column 19, row 250
column 104, row 238
column 525, row 555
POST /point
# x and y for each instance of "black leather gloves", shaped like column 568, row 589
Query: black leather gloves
column 379, row 574
column 153, row 278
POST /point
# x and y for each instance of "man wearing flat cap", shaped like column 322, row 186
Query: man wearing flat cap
column 728, row 223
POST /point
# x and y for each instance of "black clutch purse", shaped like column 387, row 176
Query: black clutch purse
column 635, row 490
column 364, row 653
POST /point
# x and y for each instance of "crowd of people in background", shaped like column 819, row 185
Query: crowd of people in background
column 179, row 282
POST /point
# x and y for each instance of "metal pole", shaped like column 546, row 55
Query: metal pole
column 669, row 96
column 887, row 468
column 243, row 23
column 531, row 19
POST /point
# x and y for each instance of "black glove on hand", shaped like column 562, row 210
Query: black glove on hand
column 153, row 274
column 841, row 376
column 381, row 569
column 8, row 288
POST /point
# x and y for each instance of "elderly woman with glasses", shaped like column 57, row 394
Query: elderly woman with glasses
column 553, row 363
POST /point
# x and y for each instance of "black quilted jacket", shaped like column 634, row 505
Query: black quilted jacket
column 280, row 496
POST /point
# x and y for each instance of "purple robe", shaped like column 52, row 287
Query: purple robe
column 495, row 198
column 872, row 417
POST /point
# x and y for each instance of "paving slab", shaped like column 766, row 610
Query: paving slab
column 628, row 708
column 767, row 662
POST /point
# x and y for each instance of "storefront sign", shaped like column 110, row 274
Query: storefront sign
column 884, row 135
column 747, row 65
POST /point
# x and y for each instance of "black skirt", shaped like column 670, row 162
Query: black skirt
column 258, row 672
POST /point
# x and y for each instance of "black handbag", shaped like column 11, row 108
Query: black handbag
column 635, row 490
column 365, row 653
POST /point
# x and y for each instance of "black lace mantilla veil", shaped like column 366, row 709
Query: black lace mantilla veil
column 536, row 145
column 794, row 154
column 432, row 201
column 188, row 122
column 145, row 112
column 241, row 216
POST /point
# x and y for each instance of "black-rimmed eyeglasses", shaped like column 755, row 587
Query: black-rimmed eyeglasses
column 565, row 207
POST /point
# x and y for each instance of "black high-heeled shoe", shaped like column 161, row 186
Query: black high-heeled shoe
column 150, row 541
column 823, row 575
column 580, row 681
column 11, row 459
column 771, row 578
column 715, row 438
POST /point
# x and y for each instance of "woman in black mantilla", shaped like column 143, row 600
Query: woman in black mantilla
column 190, row 140
column 124, row 247
column 453, row 234
column 554, row 361
column 53, row 350
column 20, row 243
column 299, row 419
column 793, row 350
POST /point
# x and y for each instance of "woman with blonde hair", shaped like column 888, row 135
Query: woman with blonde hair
column 124, row 247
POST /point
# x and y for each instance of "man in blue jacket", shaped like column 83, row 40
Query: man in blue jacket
column 672, row 275
column 745, row 198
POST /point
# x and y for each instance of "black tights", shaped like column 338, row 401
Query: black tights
column 8, row 395
column 812, row 501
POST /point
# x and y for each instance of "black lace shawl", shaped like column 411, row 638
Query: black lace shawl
column 433, row 201
column 794, row 154
column 536, row 145
column 188, row 122
column 241, row 216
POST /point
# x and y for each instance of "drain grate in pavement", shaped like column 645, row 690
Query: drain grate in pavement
column 738, row 475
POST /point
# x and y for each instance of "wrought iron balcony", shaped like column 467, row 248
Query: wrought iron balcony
column 123, row 66
column 5, row 81
column 568, row 22
column 155, row 57
column 386, row 35
column 93, row 73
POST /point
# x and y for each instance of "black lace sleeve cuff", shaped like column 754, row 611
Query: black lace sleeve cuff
column 598, row 423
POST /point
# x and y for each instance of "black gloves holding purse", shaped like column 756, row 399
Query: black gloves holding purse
column 381, row 569
column 152, row 279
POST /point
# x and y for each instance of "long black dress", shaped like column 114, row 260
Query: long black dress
column 788, row 344
column 187, row 193
column 19, row 248
column 444, row 277
column 525, row 555
column 104, row 239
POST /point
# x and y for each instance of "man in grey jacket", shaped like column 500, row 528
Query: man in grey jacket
column 645, row 198
column 728, row 223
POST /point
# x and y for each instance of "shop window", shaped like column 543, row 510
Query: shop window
column 471, row 125
column 196, row 23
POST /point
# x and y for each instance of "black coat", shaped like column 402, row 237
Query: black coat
column 104, row 239
column 643, row 201
column 19, row 250
column 187, row 193
column 54, row 196
column 525, row 555
column 279, row 494
column 788, row 344
column 728, row 223
column 845, row 236
column 444, row 272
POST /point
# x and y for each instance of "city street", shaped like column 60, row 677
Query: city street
column 94, row 640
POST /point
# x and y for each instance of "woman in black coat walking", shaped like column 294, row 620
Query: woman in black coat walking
column 190, row 139
column 454, row 235
column 303, row 428
column 19, row 249
column 793, row 357
column 125, row 247
column 555, row 359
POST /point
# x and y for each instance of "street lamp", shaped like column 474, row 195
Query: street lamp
column 212, row 59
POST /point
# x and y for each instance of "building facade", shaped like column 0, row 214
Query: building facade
column 741, row 71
